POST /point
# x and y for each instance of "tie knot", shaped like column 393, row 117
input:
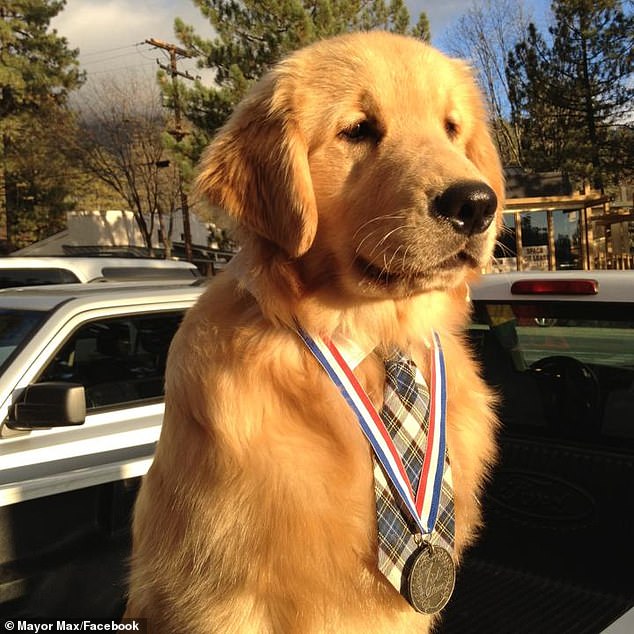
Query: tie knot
column 400, row 372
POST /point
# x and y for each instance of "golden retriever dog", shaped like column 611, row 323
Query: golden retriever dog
column 367, row 192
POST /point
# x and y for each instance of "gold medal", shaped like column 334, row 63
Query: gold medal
column 431, row 579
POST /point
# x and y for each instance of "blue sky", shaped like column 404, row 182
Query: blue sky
column 442, row 13
column 110, row 33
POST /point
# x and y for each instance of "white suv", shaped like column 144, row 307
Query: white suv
column 88, row 355
column 35, row 271
column 81, row 406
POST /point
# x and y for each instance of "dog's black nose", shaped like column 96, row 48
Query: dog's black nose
column 469, row 206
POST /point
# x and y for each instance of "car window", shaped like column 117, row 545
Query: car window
column 565, row 368
column 16, row 328
column 10, row 278
column 148, row 273
column 118, row 360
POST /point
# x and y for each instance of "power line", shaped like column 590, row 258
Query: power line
column 86, row 65
column 107, row 59
column 140, row 52
column 109, row 50
column 119, row 68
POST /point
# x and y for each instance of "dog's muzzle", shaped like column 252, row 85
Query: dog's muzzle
column 469, row 206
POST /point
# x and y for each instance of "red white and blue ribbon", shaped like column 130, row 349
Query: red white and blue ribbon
column 423, row 506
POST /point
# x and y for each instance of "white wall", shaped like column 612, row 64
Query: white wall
column 118, row 228
column 112, row 228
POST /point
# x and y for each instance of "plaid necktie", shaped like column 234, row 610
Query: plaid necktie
column 405, row 415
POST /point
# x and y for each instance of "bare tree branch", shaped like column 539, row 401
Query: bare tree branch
column 121, row 123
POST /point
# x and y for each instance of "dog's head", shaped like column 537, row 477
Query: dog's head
column 362, row 164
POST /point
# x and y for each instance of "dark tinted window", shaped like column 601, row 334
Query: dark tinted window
column 563, row 369
column 118, row 360
column 16, row 328
column 10, row 278
column 147, row 273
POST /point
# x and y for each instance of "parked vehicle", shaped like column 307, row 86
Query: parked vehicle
column 36, row 271
column 555, row 555
column 556, row 552
column 81, row 405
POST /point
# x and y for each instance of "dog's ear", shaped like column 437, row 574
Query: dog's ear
column 256, row 169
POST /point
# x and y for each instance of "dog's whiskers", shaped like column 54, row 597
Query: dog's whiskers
column 404, row 265
column 400, row 216
column 382, row 241
column 388, row 265
column 357, row 250
column 506, row 251
column 374, row 231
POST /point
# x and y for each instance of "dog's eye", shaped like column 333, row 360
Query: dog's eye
column 452, row 129
column 360, row 131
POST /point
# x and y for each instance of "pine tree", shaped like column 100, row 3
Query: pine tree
column 37, row 72
column 573, row 96
column 254, row 34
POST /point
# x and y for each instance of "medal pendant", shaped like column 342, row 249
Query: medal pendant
column 431, row 579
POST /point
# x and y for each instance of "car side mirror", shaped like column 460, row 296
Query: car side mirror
column 46, row 405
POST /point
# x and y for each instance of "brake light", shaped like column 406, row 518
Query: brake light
column 555, row 287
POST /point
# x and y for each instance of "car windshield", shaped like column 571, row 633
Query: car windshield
column 567, row 367
column 16, row 328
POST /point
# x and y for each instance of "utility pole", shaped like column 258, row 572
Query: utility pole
column 177, row 132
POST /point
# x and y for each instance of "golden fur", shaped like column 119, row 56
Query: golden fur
column 258, row 512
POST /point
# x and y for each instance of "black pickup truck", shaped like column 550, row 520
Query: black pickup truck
column 557, row 551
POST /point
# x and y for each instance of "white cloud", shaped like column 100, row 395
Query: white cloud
column 97, row 26
column 106, row 32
